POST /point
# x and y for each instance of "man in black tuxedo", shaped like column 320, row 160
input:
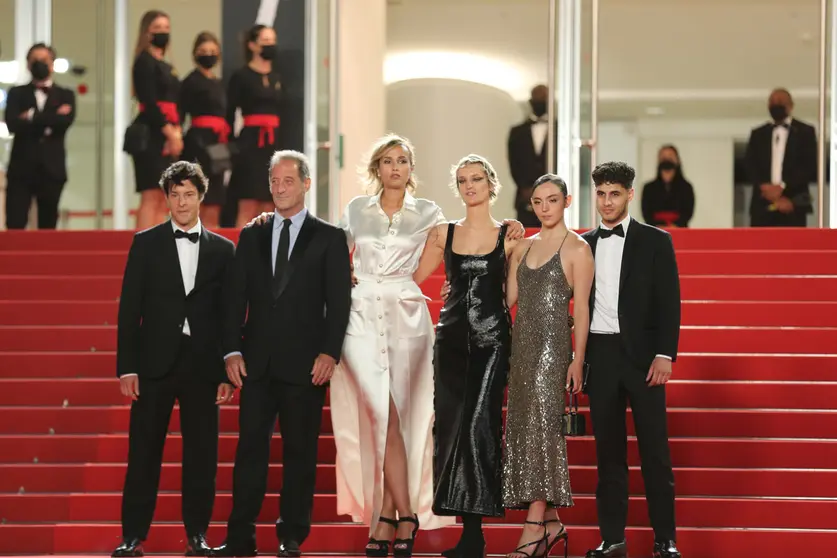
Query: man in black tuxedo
column 39, row 115
column 634, row 331
column 169, row 347
column 781, row 163
column 287, row 312
column 527, row 154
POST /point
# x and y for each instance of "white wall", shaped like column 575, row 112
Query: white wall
column 446, row 120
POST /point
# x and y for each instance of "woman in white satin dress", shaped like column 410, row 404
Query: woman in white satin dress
column 382, row 392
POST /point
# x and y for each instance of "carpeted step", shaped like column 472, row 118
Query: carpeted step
column 690, row 512
column 680, row 393
column 692, row 339
column 690, row 262
column 28, row 478
column 168, row 538
column 685, row 452
column 709, row 313
column 689, row 422
column 779, row 238
column 689, row 366
column 729, row 288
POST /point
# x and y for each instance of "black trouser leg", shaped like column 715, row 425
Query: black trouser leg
column 199, row 427
column 48, row 207
column 150, row 415
column 300, row 415
column 18, row 202
column 649, row 410
column 608, row 403
column 256, row 420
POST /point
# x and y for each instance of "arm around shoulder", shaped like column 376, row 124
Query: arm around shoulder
column 434, row 251
column 235, row 292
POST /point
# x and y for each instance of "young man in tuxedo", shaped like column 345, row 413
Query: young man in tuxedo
column 634, row 331
column 527, row 154
column 39, row 115
column 169, row 348
column 781, row 163
column 288, row 301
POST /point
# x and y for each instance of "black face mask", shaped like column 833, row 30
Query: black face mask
column 667, row 166
column 538, row 108
column 268, row 52
column 206, row 61
column 778, row 112
column 160, row 40
column 39, row 70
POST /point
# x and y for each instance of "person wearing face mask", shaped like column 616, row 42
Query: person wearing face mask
column 669, row 199
column 781, row 163
column 527, row 154
column 39, row 115
column 204, row 100
column 256, row 90
column 154, row 138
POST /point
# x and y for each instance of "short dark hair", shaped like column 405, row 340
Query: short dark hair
column 614, row 172
column 205, row 37
column 38, row 46
column 550, row 178
column 180, row 172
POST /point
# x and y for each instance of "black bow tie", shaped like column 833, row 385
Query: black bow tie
column 44, row 88
column 193, row 237
column 781, row 125
column 606, row 233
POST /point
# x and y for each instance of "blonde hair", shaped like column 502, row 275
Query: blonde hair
column 487, row 167
column 369, row 172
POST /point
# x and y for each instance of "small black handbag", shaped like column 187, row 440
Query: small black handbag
column 137, row 138
column 218, row 158
column 574, row 423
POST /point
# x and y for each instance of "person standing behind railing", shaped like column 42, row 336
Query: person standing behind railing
column 154, row 138
column 204, row 100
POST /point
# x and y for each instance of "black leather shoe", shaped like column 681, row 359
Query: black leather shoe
column 666, row 549
column 289, row 547
column 234, row 550
column 196, row 546
column 129, row 547
column 609, row 550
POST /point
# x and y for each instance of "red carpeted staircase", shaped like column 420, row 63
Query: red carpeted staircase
column 753, row 408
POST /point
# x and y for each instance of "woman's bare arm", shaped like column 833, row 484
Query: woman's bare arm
column 434, row 251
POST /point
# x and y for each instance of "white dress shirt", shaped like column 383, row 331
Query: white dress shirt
column 187, row 254
column 777, row 152
column 608, row 261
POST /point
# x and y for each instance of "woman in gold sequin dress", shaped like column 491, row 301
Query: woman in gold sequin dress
column 545, row 272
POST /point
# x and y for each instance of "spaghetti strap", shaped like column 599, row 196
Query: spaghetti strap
column 449, row 240
column 563, row 241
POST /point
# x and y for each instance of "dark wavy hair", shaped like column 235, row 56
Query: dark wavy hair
column 614, row 172
column 180, row 172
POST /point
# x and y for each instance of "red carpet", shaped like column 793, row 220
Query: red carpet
column 753, row 408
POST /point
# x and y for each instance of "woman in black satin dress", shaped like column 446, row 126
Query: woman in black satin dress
column 471, row 358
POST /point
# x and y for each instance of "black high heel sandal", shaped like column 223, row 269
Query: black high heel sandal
column 561, row 535
column 403, row 548
column 536, row 543
column 377, row 548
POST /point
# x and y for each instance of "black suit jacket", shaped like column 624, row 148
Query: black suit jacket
column 153, row 304
column 649, row 293
column 283, row 335
column 37, row 154
column 525, row 165
column 799, row 169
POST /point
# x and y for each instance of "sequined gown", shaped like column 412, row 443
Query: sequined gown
column 471, row 361
column 535, row 460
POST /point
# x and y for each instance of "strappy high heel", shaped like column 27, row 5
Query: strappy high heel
column 536, row 543
column 561, row 535
column 403, row 548
column 377, row 548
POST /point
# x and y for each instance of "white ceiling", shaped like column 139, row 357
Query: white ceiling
column 681, row 58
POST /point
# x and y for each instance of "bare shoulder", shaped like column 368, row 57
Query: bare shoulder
column 521, row 246
column 578, row 245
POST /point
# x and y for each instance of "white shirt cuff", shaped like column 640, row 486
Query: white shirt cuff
column 126, row 376
column 231, row 354
column 663, row 356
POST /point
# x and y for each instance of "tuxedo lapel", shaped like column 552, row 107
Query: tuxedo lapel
column 631, row 240
column 265, row 248
column 203, row 259
column 306, row 233
column 592, row 238
column 171, row 260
